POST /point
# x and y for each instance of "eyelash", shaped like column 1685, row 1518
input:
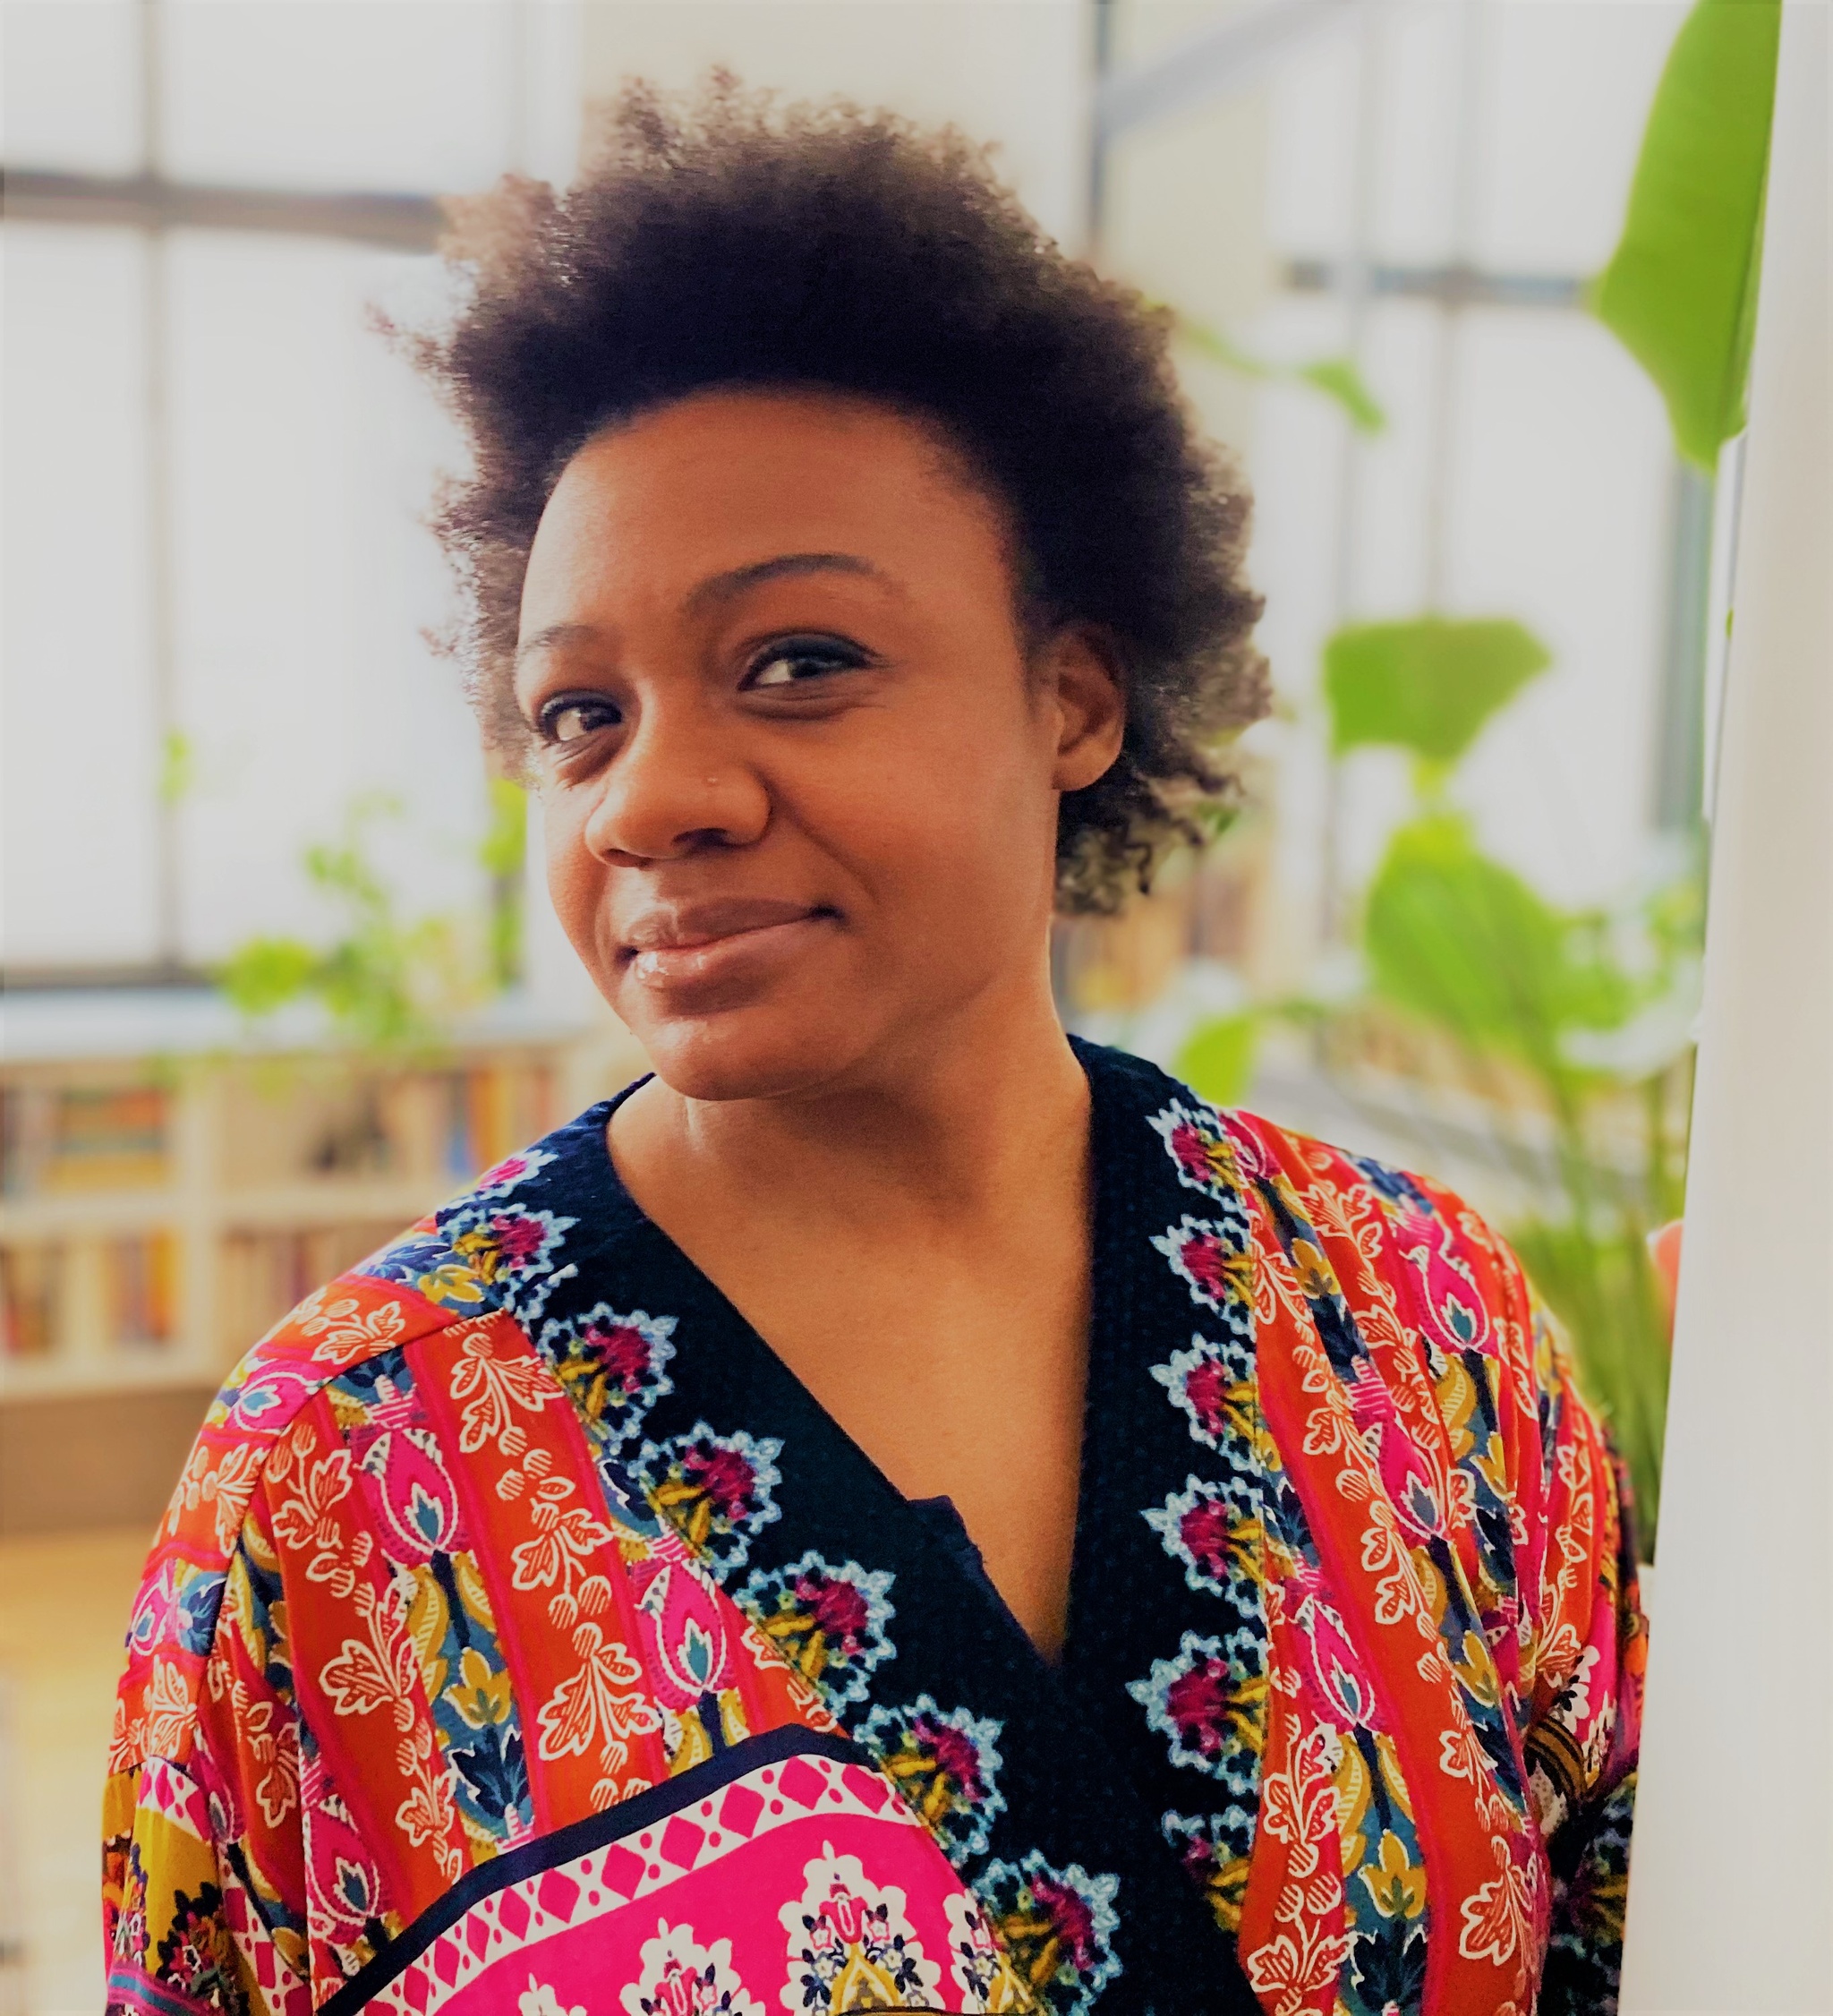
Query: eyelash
column 831, row 654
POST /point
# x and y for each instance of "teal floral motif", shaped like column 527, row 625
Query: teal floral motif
column 828, row 1622
column 946, row 1764
column 1057, row 1926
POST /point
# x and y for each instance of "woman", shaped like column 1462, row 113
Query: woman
column 896, row 1508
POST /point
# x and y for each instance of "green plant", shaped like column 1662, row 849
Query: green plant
column 1336, row 378
column 385, row 981
column 1680, row 291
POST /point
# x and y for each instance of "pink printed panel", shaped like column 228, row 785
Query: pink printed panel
column 804, row 1885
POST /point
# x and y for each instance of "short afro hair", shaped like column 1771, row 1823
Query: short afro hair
column 720, row 240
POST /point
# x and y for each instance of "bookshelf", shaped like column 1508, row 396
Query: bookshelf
column 172, row 1181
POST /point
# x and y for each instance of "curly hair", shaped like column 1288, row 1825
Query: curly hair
column 718, row 241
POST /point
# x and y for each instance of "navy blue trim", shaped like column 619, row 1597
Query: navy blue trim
column 597, row 1830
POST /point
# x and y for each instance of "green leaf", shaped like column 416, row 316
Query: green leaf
column 1217, row 1059
column 1428, row 685
column 177, row 767
column 1463, row 942
column 1337, row 378
column 504, row 847
column 1602, row 1287
column 1680, row 290
column 266, row 973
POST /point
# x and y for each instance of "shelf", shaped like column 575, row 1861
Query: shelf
column 153, row 1369
column 333, row 1201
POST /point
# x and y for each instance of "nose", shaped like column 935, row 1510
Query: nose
column 677, row 786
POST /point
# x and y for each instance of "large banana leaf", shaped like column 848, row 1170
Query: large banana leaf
column 1428, row 685
column 1680, row 290
column 1464, row 943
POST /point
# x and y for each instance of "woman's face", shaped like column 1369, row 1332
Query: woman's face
column 800, row 782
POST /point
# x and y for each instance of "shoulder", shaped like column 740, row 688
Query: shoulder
column 1399, row 1254
column 472, row 1260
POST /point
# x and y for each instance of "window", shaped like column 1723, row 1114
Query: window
column 216, row 581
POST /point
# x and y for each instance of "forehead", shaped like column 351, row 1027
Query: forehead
column 724, row 480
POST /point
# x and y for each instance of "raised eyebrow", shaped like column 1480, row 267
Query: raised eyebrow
column 555, row 635
column 734, row 581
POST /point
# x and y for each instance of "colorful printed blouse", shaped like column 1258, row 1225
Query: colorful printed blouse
column 523, row 1640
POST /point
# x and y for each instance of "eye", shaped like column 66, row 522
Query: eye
column 797, row 661
column 570, row 718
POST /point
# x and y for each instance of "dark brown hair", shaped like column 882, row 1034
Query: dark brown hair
column 718, row 241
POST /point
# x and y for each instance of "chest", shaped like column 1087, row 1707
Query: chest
column 958, row 1373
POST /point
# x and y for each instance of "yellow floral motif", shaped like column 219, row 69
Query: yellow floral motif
column 482, row 1695
column 452, row 1285
column 1396, row 1886
column 1312, row 1269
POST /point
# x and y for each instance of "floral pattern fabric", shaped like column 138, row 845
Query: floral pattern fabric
column 515, row 1551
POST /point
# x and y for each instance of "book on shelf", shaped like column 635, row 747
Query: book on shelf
column 264, row 1274
column 31, row 1286
column 442, row 1125
column 63, row 1138
column 141, row 1282
column 59, row 1296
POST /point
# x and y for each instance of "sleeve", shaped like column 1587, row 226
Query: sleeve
column 1583, row 1724
column 166, row 1931
column 182, row 1931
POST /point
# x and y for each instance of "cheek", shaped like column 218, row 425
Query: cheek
column 574, row 877
column 949, row 813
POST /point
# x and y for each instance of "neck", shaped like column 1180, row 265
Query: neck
column 943, row 1130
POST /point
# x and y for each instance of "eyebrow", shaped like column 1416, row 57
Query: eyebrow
column 716, row 588
column 734, row 581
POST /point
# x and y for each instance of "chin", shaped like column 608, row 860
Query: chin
column 748, row 1055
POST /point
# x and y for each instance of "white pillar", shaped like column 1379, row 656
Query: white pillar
column 1731, row 1892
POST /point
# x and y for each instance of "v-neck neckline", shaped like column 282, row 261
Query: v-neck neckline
column 1082, row 1788
column 627, row 1215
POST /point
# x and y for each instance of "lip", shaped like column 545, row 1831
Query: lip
column 674, row 946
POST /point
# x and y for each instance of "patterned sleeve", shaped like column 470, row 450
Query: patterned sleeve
column 183, row 1930
column 1584, row 1713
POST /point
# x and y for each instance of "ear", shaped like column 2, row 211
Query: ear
column 1078, row 674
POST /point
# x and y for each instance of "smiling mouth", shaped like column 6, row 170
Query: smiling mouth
column 715, row 941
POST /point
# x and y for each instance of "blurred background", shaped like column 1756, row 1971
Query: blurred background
column 279, row 972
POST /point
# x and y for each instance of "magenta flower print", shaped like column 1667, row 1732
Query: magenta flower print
column 1216, row 1531
column 719, row 1491
column 1206, row 1389
column 1214, row 1385
column 512, row 1170
column 1057, row 1926
column 828, row 1621
column 1209, row 1703
column 1071, row 1917
column 628, row 1357
column 1197, row 1702
column 1204, row 1530
column 509, row 1249
column 839, row 1609
column 1215, row 1261
column 946, row 1764
column 726, row 1474
column 611, row 1363
column 1199, row 1145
